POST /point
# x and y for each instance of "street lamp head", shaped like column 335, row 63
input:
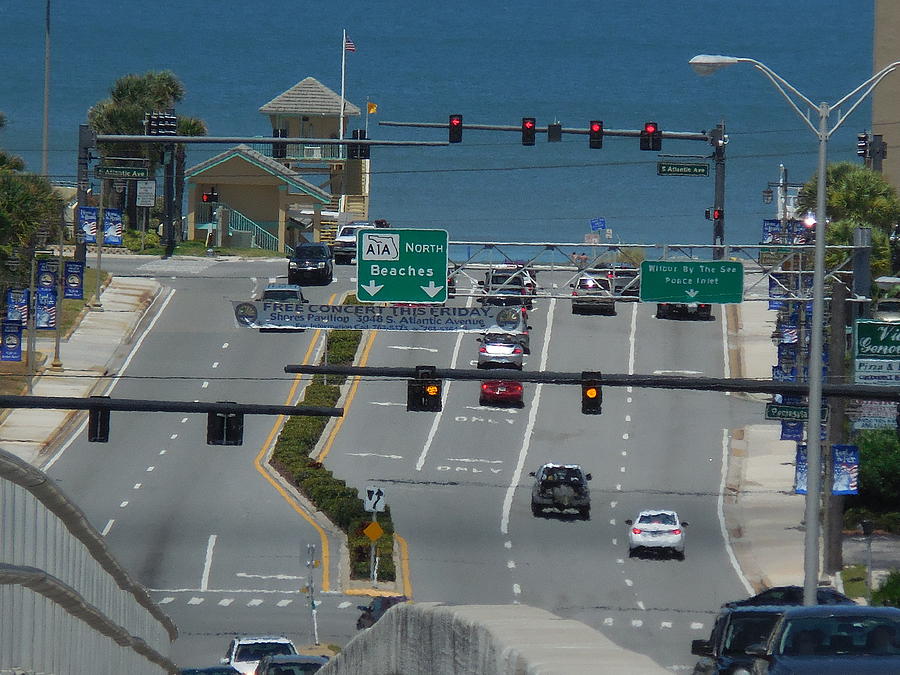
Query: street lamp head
column 707, row 64
column 767, row 195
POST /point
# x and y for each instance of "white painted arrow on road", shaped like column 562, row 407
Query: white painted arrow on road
column 692, row 293
column 431, row 289
column 371, row 288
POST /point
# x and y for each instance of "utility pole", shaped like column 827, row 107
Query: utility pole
column 833, row 506
column 717, row 140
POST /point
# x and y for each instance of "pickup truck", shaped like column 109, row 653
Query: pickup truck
column 344, row 245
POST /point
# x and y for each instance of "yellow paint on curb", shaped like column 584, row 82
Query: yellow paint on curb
column 266, row 473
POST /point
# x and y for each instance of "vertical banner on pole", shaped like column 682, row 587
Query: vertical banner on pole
column 87, row 223
column 11, row 348
column 801, row 470
column 45, row 308
column 112, row 227
column 46, row 273
column 17, row 305
column 73, row 279
column 845, row 459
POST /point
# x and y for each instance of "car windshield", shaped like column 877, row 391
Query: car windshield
column 500, row 339
column 746, row 630
column 840, row 634
column 314, row 252
column 257, row 650
column 589, row 283
column 281, row 295
column 657, row 519
column 562, row 474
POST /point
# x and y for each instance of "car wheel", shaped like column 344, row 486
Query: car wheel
column 535, row 510
column 660, row 312
column 585, row 512
column 482, row 401
column 631, row 552
column 575, row 310
column 679, row 555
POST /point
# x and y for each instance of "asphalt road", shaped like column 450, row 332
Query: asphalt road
column 224, row 552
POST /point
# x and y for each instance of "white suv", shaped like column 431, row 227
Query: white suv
column 244, row 653
column 344, row 244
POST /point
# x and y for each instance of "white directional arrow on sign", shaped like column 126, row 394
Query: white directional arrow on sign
column 692, row 293
column 372, row 288
column 431, row 289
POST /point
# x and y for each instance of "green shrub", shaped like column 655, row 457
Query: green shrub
column 131, row 239
column 888, row 593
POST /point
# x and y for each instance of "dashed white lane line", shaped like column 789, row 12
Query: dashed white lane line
column 615, row 541
column 628, row 399
column 283, row 603
column 696, row 625
column 629, row 583
column 344, row 605
column 207, row 562
column 166, row 600
column 665, row 624
column 511, row 564
column 624, row 453
column 627, row 418
column 195, row 601
column 620, row 561
column 224, row 345
column 612, row 505
column 625, row 437
column 619, row 487
column 636, row 623
column 622, row 469
column 632, row 334
column 204, row 385
column 254, row 602
column 107, row 528
column 612, row 521
column 640, row 604
column 137, row 486
column 184, row 419
column 517, row 590
column 507, row 544
column 720, row 512
column 162, row 452
column 224, row 602
column 150, row 468
column 173, row 437
column 215, row 364
column 123, row 505
column 608, row 621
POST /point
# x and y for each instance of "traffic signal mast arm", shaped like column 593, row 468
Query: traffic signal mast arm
column 583, row 131
column 874, row 392
column 259, row 140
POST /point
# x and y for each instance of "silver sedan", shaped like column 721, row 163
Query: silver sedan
column 500, row 350
column 657, row 530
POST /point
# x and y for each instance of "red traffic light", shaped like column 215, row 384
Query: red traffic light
column 596, row 126
column 456, row 128
column 455, row 120
column 528, row 130
column 206, row 197
column 717, row 214
column 528, row 123
column 650, row 127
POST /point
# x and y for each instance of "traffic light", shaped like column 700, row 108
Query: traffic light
column 456, row 128
column 98, row 424
column 595, row 134
column 225, row 428
column 528, row 130
column 862, row 145
column 554, row 133
column 651, row 137
column 591, row 393
column 423, row 392
column 210, row 197
column 715, row 214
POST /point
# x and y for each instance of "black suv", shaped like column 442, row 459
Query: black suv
column 735, row 629
column 311, row 262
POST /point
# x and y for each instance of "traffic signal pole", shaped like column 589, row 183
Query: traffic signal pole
column 718, row 141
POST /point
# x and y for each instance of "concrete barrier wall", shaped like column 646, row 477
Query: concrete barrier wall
column 483, row 640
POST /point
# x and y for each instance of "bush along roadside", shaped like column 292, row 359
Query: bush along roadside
column 339, row 502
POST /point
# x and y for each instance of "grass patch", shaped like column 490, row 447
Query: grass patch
column 197, row 248
column 854, row 577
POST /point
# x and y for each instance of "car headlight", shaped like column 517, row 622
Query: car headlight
column 321, row 265
column 292, row 266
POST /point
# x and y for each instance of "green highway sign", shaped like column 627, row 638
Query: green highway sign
column 689, row 281
column 681, row 169
column 408, row 265
column 793, row 413
column 126, row 172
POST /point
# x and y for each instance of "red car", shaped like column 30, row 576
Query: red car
column 501, row 392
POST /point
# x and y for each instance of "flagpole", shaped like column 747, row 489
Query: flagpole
column 367, row 116
column 343, row 69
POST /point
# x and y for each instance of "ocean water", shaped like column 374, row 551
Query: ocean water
column 493, row 62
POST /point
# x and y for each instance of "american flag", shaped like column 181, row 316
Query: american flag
column 349, row 45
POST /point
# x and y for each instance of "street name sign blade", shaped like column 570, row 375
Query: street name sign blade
column 402, row 265
column 692, row 281
column 126, row 172
column 682, row 169
column 792, row 413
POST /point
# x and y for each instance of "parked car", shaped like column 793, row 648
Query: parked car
column 311, row 262
column 376, row 609
column 830, row 639
column 562, row 487
column 344, row 245
column 290, row 665
column 501, row 392
column 792, row 595
column 500, row 350
column 656, row 530
column 685, row 310
column 244, row 653
column 593, row 294
column 735, row 629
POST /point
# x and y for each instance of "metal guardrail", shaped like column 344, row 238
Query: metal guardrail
column 66, row 605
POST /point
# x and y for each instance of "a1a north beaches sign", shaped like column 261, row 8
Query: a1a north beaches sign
column 876, row 352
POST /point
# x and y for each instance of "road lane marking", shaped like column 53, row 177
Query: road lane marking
column 665, row 624
column 184, row 419
column 224, row 345
column 632, row 333
column 608, row 621
column 204, row 385
column 727, row 361
column 517, row 590
column 677, row 372
column 625, row 437
column 107, row 528
column 411, row 349
column 255, row 602
column 137, row 486
column 207, row 563
column 282, row 577
column 612, row 505
column 386, row 403
column 446, row 390
column 507, row 544
column 150, row 468
column 173, row 437
column 195, row 601
column 166, row 600
column 696, row 625
column 720, row 511
column 630, row 583
column 620, row 561
column 224, row 602
column 511, row 564
column 627, row 418
column 622, row 469
column 529, row 427
column 615, row 541
column 636, row 623
column 612, row 521
column 468, row 459
column 373, row 454
column 619, row 486
column 640, row 604
column 283, row 603
column 628, row 399
column 123, row 504
column 215, row 364
column 344, row 605
column 162, row 452
column 624, row 453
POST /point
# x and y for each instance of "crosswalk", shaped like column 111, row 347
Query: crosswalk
column 251, row 599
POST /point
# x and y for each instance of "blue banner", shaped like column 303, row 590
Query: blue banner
column 46, row 273
column 778, row 288
column 45, row 308
column 11, row 349
column 112, row 227
column 800, row 469
column 73, row 280
column 17, row 305
column 780, row 374
column 791, row 431
column 87, row 223
column 845, row 460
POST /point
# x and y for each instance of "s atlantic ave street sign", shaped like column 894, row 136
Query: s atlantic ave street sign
column 690, row 281
column 407, row 265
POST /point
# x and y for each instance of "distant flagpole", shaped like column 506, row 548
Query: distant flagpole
column 343, row 70
column 367, row 116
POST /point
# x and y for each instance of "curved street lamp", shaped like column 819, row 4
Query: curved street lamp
column 706, row 64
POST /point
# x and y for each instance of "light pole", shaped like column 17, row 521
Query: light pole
column 706, row 64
